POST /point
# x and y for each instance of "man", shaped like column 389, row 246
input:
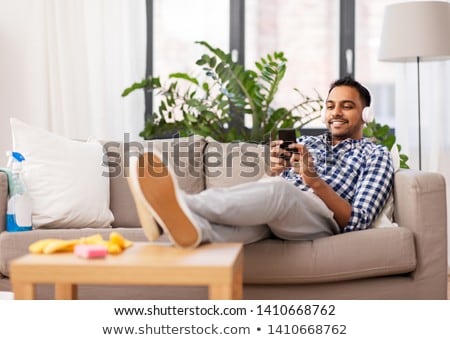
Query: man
column 337, row 182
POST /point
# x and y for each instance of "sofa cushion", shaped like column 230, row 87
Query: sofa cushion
column 228, row 164
column 348, row 256
column 183, row 154
column 65, row 179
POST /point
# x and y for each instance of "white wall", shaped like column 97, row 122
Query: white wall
column 17, row 41
column 64, row 64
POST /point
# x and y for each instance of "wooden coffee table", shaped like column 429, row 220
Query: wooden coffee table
column 217, row 266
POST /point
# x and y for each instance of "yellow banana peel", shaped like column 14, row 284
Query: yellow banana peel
column 59, row 246
column 118, row 239
column 113, row 248
column 115, row 245
column 94, row 239
column 38, row 246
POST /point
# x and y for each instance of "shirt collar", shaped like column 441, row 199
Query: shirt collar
column 350, row 143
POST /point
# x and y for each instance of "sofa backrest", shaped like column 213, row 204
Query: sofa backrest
column 197, row 163
column 228, row 164
column 185, row 155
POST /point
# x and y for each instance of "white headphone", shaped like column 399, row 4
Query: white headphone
column 367, row 114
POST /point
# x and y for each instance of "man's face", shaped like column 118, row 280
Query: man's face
column 344, row 114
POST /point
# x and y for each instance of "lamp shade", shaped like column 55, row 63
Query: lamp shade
column 415, row 29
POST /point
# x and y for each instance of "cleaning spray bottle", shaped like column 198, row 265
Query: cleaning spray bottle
column 18, row 215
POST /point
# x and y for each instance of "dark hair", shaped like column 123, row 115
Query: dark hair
column 349, row 81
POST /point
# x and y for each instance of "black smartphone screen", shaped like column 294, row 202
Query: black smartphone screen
column 287, row 136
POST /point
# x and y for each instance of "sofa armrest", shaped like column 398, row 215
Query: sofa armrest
column 3, row 200
column 420, row 205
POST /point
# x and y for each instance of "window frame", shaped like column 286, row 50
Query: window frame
column 237, row 40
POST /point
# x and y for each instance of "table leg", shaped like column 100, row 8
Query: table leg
column 231, row 290
column 65, row 291
column 237, row 280
column 220, row 292
column 23, row 290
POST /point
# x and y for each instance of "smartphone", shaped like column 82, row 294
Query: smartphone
column 288, row 137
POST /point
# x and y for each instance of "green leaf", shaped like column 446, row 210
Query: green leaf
column 136, row 86
column 389, row 141
column 212, row 62
column 368, row 132
column 382, row 131
column 203, row 60
column 184, row 76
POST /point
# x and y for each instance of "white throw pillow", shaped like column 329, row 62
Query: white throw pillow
column 386, row 217
column 68, row 185
column 395, row 157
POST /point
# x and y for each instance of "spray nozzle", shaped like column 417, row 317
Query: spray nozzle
column 16, row 156
column 15, row 160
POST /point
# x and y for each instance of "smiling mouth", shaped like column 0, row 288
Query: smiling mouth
column 337, row 122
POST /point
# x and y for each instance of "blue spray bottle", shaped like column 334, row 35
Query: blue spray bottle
column 18, row 215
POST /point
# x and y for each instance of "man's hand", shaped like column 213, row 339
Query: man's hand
column 279, row 158
column 303, row 164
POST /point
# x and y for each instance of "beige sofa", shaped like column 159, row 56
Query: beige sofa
column 404, row 262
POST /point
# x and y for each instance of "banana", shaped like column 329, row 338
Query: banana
column 113, row 248
column 94, row 239
column 60, row 246
column 118, row 239
column 38, row 246
column 115, row 245
column 128, row 243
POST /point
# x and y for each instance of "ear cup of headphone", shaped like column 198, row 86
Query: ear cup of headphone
column 367, row 114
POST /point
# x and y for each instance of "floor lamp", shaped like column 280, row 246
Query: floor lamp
column 416, row 31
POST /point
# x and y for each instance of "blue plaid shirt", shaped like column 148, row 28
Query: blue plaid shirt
column 360, row 171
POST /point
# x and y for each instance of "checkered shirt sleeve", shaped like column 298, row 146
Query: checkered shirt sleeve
column 372, row 190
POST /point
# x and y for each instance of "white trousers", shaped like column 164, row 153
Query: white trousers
column 253, row 211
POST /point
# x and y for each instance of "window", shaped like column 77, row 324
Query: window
column 178, row 24
column 378, row 76
column 307, row 31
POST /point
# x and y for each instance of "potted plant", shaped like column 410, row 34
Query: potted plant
column 382, row 134
column 216, row 103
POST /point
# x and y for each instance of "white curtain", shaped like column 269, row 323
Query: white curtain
column 435, row 117
column 64, row 65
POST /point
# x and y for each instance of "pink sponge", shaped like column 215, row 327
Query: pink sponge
column 90, row 251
